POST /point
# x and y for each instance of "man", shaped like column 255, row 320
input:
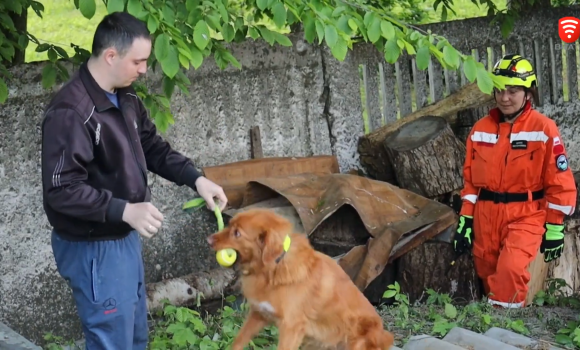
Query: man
column 97, row 145
column 518, row 188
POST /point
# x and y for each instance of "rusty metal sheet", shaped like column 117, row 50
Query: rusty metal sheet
column 389, row 214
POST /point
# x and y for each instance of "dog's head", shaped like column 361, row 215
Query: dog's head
column 256, row 235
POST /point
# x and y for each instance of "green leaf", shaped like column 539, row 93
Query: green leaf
column 196, row 57
column 388, row 30
column 309, row 28
column 152, row 23
column 115, row 6
column 389, row 293
column 262, row 4
column 183, row 60
column 48, row 76
column 228, row 32
column 451, row 56
column 374, row 30
column 282, row 39
column 267, row 34
column 87, row 8
column 168, row 86
column 170, row 64
column 330, row 35
column 52, row 56
column 450, row 310
column 134, row 7
column 201, row 34
column 253, row 32
column 3, row 91
column 422, row 58
column 392, row 51
column 340, row 49
column 319, row 30
column 470, row 68
column 161, row 46
column 484, row 81
column 280, row 15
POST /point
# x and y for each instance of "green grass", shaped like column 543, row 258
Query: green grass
column 62, row 23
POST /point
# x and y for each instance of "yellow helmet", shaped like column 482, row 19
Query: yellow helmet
column 515, row 70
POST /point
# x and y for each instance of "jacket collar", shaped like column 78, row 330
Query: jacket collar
column 96, row 93
column 498, row 118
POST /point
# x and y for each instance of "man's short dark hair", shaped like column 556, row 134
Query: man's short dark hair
column 118, row 30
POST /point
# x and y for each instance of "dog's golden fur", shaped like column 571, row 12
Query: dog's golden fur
column 305, row 293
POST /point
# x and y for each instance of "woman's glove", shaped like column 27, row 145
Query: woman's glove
column 464, row 236
column 552, row 242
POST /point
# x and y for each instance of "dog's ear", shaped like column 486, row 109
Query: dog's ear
column 272, row 240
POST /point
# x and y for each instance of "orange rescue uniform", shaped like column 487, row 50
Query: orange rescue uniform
column 525, row 159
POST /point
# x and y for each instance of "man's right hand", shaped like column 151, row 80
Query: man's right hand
column 143, row 217
column 464, row 235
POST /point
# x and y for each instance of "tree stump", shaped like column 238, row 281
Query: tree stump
column 427, row 157
column 370, row 146
column 429, row 267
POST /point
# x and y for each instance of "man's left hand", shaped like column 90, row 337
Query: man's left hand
column 552, row 242
column 209, row 190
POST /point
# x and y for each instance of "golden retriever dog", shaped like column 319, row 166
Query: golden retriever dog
column 305, row 293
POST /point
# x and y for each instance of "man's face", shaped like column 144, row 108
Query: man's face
column 126, row 69
column 511, row 99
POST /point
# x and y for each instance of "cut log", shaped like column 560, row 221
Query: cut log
column 427, row 157
column 185, row 290
column 429, row 267
column 371, row 150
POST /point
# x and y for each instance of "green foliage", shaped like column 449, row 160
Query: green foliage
column 187, row 33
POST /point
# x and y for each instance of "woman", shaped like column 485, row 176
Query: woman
column 517, row 187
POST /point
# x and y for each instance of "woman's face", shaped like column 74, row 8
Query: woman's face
column 511, row 99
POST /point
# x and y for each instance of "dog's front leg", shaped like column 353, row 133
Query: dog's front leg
column 253, row 324
column 291, row 335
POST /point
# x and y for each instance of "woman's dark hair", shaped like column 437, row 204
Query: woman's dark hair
column 118, row 30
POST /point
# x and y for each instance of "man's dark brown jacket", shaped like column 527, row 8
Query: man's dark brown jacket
column 95, row 158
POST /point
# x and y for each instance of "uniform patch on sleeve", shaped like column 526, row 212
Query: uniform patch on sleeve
column 562, row 162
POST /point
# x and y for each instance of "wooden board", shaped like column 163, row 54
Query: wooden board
column 233, row 177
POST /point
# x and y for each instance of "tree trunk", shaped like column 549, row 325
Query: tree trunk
column 429, row 267
column 371, row 150
column 427, row 157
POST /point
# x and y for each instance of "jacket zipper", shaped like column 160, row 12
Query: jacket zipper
column 144, row 182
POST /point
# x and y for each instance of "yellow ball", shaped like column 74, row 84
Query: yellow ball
column 226, row 257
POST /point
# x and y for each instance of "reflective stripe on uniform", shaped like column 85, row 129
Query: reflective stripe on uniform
column 529, row 136
column 506, row 305
column 470, row 197
column 481, row 136
column 566, row 209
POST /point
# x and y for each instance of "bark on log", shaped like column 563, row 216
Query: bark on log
column 370, row 148
column 209, row 286
column 429, row 266
column 182, row 291
column 427, row 157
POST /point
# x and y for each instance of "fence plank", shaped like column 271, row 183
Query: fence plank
column 420, row 85
column 571, row 71
column 371, row 86
column 387, row 80
column 435, row 80
column 404, row 86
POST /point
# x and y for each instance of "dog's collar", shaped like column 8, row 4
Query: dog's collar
column 287, row 242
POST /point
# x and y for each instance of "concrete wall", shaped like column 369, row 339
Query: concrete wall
column 313, row 107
